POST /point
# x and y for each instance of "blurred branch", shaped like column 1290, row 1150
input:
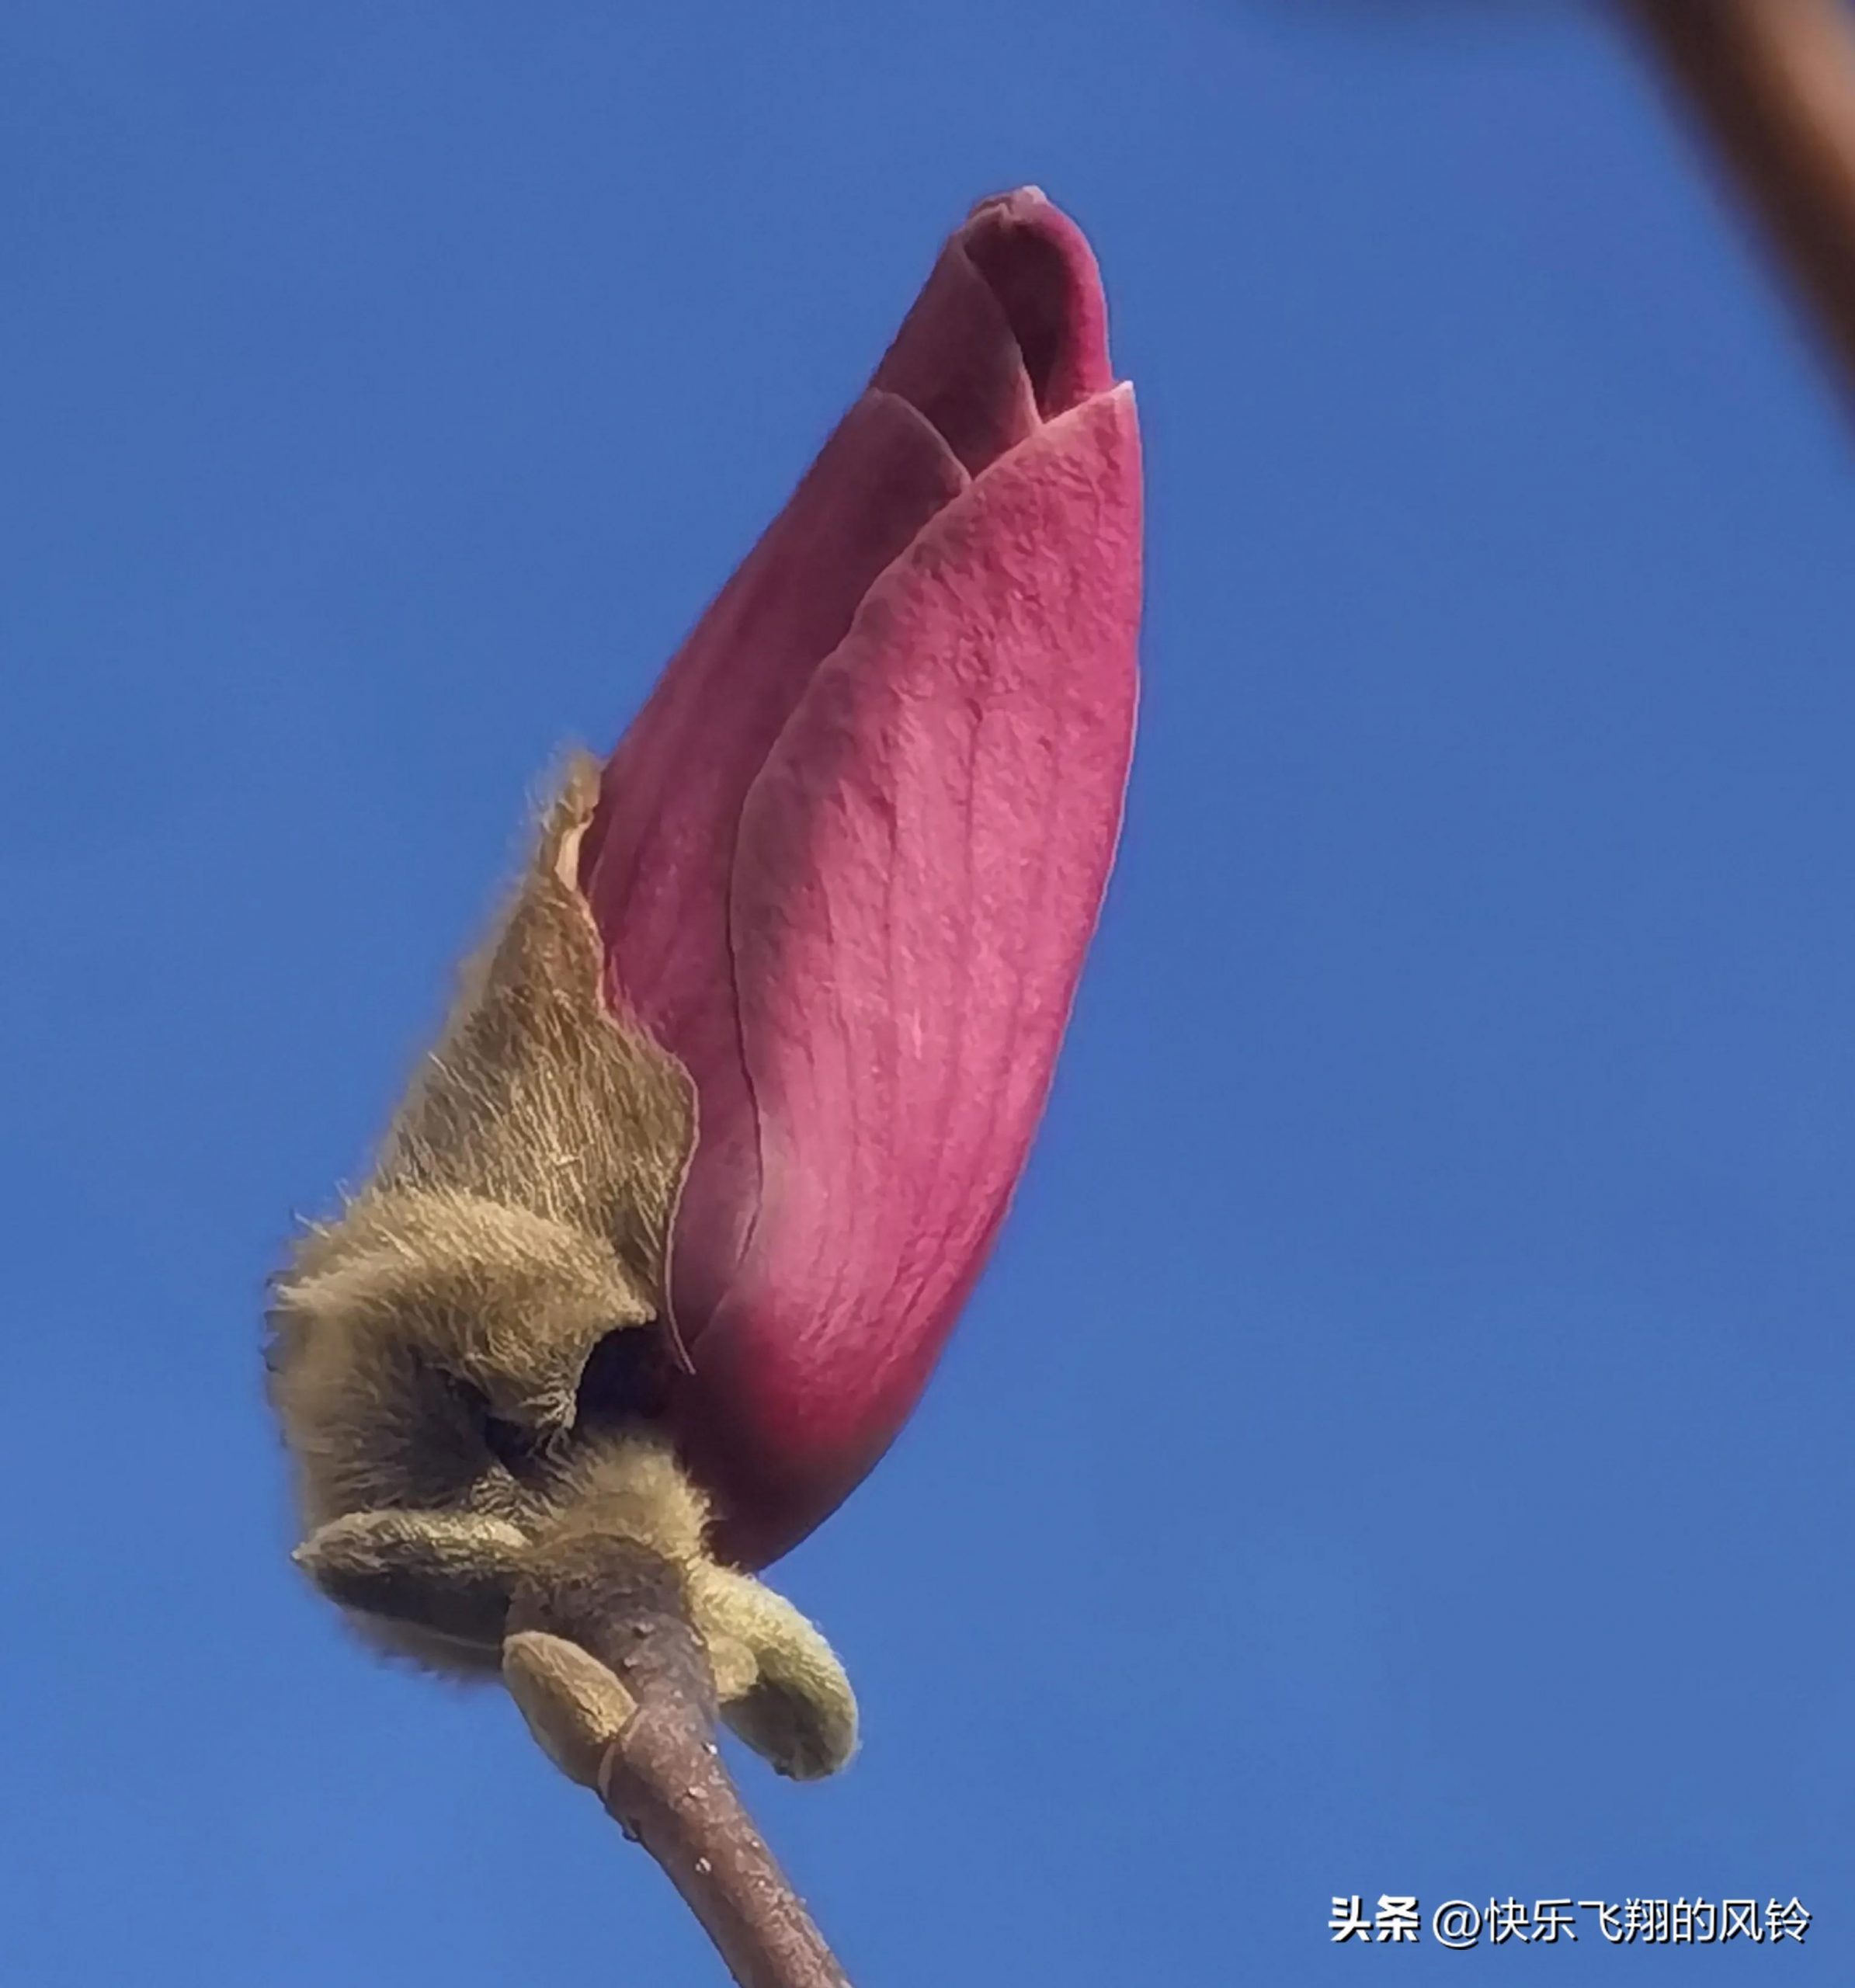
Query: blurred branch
column 662, row 1778
column 1772, row 84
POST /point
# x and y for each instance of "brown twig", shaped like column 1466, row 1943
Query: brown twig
column 1772, row 82
column 662, row 1780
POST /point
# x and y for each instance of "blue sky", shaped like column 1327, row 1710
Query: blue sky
column 1401, row 1445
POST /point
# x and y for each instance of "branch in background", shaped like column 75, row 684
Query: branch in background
column 1772, row 83
column 640, row 1717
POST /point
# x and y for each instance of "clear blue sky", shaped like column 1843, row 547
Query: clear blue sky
column 1402, row 1444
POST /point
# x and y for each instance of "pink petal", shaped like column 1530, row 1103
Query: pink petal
column 920, row 867
column 659, row 852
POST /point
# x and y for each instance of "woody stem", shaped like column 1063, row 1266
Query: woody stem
column 663, row 1781
column 1772, row 84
